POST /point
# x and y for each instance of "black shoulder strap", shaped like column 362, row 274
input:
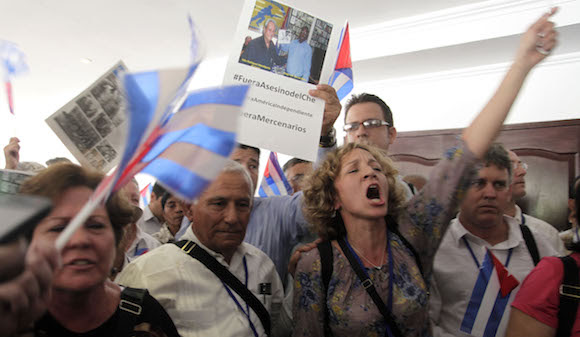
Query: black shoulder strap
column 326, row 267
column 228, row 278
column 530, row 243
column 370, row 288
column 569, row 297
column 131, row 306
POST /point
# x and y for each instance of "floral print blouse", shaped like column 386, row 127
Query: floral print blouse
column 352, row 312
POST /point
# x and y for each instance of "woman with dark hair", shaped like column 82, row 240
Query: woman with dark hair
column 83, row 301
column 538, row 309
column 379, row 250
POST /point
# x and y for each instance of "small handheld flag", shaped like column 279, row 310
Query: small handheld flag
column 274, row 181
column 145, row 194
column 342, row 79
column 13, row 63
column 183, row 148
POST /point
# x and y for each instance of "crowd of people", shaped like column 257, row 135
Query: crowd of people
column 390, row 257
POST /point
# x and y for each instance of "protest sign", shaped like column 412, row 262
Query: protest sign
column 279, row 114
column 92, row 125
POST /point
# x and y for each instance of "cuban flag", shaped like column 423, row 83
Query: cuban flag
column 190, row 150
column 492, row 293
column 13, row 63
column 183, row 139
column 274, row 181
column 342, row 80
column 145, row 194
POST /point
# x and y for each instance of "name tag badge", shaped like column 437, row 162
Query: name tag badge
column 265, row 288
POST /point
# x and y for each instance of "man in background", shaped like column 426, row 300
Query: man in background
column 515, row 212
column 152, row 218
column 466, row 299
column 299, row 56
column 295, row 170
column 368, row 120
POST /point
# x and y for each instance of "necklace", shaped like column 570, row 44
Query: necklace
column 369, row 261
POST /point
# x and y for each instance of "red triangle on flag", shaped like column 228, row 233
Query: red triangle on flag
column 507, row 281
column 343, row 61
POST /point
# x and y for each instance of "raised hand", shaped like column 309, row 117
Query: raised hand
column 12, row 153
column 537, row 42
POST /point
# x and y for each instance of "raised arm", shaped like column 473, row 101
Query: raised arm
column 11, row 153
column 536, row 43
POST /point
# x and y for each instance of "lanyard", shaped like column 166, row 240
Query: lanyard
column 507, row 261
column 391, row 276
column 247, row 311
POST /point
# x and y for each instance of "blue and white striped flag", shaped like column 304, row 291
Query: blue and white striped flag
column 184, row 148
column 486, row 312
column 274, row 181
column 195, row 144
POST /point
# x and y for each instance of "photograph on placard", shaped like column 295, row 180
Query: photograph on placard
column 286, row 41
column 92, row 125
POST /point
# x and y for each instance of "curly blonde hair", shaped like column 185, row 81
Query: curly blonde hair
column 320, row 192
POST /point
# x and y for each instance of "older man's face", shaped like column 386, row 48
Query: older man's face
column 269, row 31
column 221, row 214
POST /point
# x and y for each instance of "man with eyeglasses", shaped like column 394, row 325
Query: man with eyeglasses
column 369, row 120
column 465, row 297
column 519, row 170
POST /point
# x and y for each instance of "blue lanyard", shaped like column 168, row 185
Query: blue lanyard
column 247, row 311
column 507, row 261
column 390, row 257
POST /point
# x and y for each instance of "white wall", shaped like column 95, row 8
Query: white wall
column 451, row 99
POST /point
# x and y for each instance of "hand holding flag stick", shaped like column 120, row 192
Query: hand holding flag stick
column 183, row 148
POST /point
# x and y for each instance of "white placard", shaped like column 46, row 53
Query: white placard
column 93, row 125
column 279, row 114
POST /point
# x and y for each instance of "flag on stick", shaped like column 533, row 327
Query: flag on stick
column 342, row 79
column 274, row 181
column 184, row 150
column 13, row 63
column 145, row 194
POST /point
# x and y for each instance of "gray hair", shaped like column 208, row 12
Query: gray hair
column 235, row 167
column 267, row 22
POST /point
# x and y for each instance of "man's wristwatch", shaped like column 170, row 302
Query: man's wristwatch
column 328, row 140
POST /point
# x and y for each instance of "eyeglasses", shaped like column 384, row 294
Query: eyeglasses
column 523, row 165
column 368, row 124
